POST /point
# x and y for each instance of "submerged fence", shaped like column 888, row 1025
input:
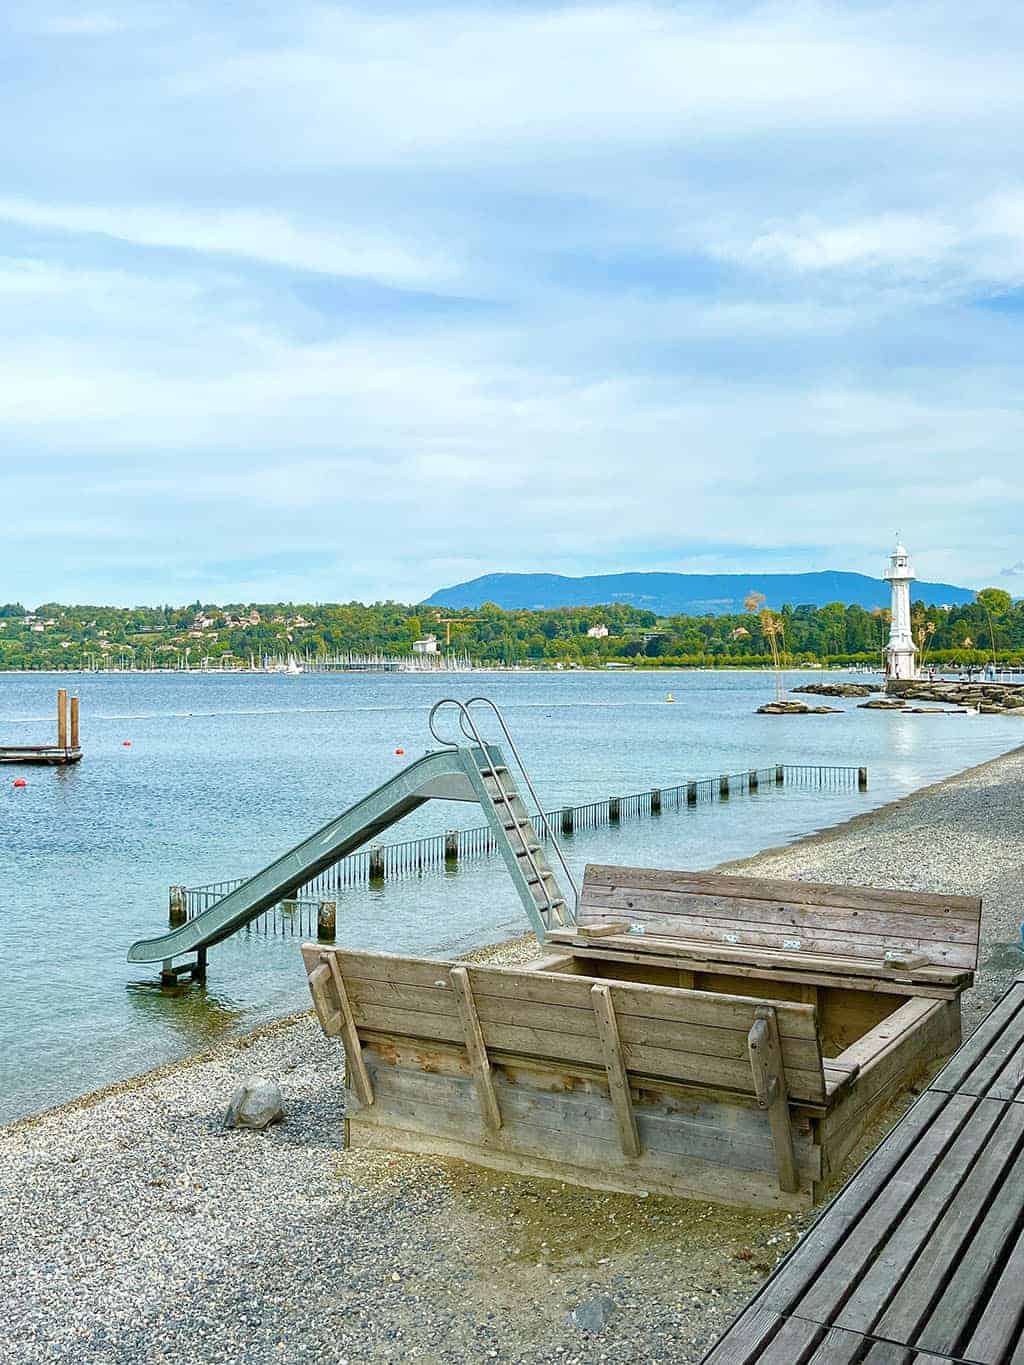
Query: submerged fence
column 312, row 909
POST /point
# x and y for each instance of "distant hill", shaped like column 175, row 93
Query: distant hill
column 691, row 594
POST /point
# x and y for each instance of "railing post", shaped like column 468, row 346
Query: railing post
column 862, row 779
column 691, row 793
column 656, row 801
column 568, row 820
column 723, row 786
column 451, row 846
column 613, row 810
column 326, row 921
column 176, row 906
column 752, row 780
column 376, row 863
column 780, row 774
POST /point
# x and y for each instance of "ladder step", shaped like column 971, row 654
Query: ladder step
column 490, row 772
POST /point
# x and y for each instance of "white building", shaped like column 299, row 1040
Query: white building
column 428, row 645
column 900, row 652
column 598, row 632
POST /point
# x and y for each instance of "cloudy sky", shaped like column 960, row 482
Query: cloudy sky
column 321, row 301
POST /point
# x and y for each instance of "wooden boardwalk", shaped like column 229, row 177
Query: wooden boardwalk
column 920, row 1257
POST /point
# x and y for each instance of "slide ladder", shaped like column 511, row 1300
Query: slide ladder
column 477, row 772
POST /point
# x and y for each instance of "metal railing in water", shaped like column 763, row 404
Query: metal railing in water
column 446, row 849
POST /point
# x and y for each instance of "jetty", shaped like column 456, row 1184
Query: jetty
column 920, row 1256
column 67, row 749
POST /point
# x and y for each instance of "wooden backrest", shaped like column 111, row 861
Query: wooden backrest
column 678, row 1036
column 799, row 917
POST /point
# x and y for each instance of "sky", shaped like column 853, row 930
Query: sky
column 323, row 302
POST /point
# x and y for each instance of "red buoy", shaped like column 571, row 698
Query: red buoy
column 399, row 751
column 20, row 782
column 126, row 744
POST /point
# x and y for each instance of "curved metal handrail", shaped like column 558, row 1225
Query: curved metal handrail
column 473, row 733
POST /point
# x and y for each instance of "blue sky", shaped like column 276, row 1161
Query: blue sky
column 355, row 301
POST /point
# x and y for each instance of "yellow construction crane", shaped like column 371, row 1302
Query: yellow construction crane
column 449, row 621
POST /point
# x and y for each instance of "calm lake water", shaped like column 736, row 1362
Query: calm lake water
column 225, row 772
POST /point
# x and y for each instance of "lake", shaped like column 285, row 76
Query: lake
column 224, row 772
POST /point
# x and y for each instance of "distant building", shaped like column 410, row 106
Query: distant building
column 428, row 645
column 598, row 632
column 900, row 652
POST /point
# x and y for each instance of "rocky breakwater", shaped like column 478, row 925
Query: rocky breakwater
column 796, row 708
column 839, row 689
column 991, row 699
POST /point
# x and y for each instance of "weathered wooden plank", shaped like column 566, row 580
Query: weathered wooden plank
column 745, row 1338
column 870, row 1291
column 615, row 1066
column 661, row 1030
column 911, row 1306
column 770, row 1086
column 715, row 1133
column 476, row 1048
column 1007, row 1084
column 907, row 1019
column 838, row 968
column 656, row 1062
column 1001, row 1324
column 1003, row 1016
column 1001, row 1053
column 330, row 1018
column 838, row 1348
column 794, row 1343
column 888, row 1353
column 973, row 1267
column 799, row 892
column 932, row 1121
column 349, row 1034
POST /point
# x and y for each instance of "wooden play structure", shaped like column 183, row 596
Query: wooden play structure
column 687, row 1033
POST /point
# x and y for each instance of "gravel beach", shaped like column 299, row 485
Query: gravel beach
column 134, row 1227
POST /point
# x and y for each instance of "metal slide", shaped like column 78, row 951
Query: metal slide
column 454, row 773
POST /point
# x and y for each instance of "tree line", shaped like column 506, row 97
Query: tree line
column 56, row 636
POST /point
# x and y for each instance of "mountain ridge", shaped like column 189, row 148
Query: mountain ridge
column 674, row 594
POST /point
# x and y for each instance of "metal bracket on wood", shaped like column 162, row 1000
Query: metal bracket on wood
column 766, row 1063
column 479, row 1062
column 346, row 1025
column 615, row 1066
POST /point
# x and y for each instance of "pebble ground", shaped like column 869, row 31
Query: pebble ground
column 134, row 1228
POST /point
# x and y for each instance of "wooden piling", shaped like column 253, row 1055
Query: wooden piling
column 62, row 718
column 613, row 810
column 752, row 780
column 376, row 863
column 326, row 921
column 75, row 744
column 862, row 779
column 177, row 906
column 723, row 786
column 568, row 820
column 656, row 801
column 691, row 793
column 451, row 847
column 780, row 774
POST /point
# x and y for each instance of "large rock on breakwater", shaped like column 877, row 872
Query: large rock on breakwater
column 991, row 699
column 839, row 689
column 796, row 708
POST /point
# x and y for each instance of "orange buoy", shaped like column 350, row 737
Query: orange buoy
column 20, row 782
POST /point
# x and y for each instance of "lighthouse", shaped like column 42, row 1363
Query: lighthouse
column 900, row 652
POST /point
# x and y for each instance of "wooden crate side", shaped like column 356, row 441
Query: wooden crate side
column 848, row 922
column 576, row 1137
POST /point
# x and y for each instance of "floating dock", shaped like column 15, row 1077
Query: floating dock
column 67, row 749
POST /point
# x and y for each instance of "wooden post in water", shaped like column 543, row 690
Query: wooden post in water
column 376, row 863
column 613, row 810
column 752, row 780
column 176, row 902
column 862, row 779
column 780, row 774
column 568, row 820
column 75, row 744
column 326, row 921
column 62, row 718
column 451, row 847
column 691, row 793
column 723, row 786
column 656, row 801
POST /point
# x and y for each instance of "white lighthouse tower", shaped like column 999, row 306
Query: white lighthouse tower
column 900, row 652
